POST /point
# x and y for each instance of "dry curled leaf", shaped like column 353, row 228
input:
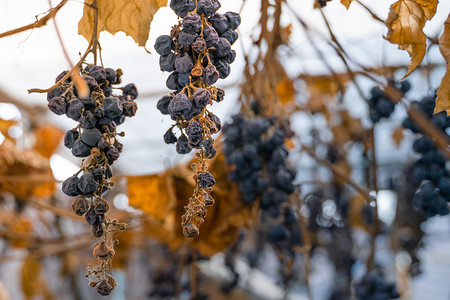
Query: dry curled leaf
column 443, row 93
column 405, row 27
column 346, row 3
column 24, row 172
column 397, row 136
column 132, row 17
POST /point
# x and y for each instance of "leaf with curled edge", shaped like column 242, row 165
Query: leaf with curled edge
column 405, row 27
column 443, row 92
column 346, row 3
column 130, row 16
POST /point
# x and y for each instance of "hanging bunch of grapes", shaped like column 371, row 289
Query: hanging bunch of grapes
column 95, row 139
column 430, row 174
column 255, row 148
column 197, row 53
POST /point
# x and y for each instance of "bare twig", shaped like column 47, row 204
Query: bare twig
column 340, row 173
column 60, row 39
column 70, row 245
column 319, row 53
column 41, row 22
column 376, row 225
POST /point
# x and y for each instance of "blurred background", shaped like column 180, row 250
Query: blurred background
column 39, row 236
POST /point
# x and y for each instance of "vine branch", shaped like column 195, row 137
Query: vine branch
column 39, row 23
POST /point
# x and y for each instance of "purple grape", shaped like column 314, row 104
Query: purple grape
column 88, row 120
column 163, row 44
column 182, row 7
column 98, row 73
column 234, row 19
column 210, row 75
column 130, row 90
column 113, row 107
column 199, row 45
column 180, row 105
column 192, row 23
column 206, row 180
column 201, row 97
column 163, row 105
column 80, row 149
column 169, row 137
column 91, row 136
column 87, row 184
column 182, row 146
column 74, row 109
column 58, row 105
column 70, row 186
column 231, row 36
column 167, row 62
column 211, row 36
column 185, row 39
column 70, row 137
column 219, row 22
column 207, row 7
column 56, row 92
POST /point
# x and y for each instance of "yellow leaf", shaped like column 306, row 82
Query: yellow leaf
column 48, row 138
column 33, row 282
column 131, row 17
column 21, row 227
column 5, row 125
column 45, row 189
column 443, row 92
column 405, row 24
column 346, row 3
column 286, row 90
column 153, row 194
column 397, row 136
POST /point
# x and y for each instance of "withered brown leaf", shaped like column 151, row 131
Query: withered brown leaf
column 132, row 17
column 397, row 136
column 346, row 3
column 443, row 92
column 405, row 27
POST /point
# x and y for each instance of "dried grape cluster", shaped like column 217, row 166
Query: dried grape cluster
column 95, row 140
column 197, row 53
column 429, row 171
column 256, row 149
column 380, row 105
column 375, row 287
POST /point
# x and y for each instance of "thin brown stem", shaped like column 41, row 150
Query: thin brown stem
column 41, row 22
column 66, row 55
column 340, row 173
column 376, row 225
column 95, row 33
column 68, row 74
